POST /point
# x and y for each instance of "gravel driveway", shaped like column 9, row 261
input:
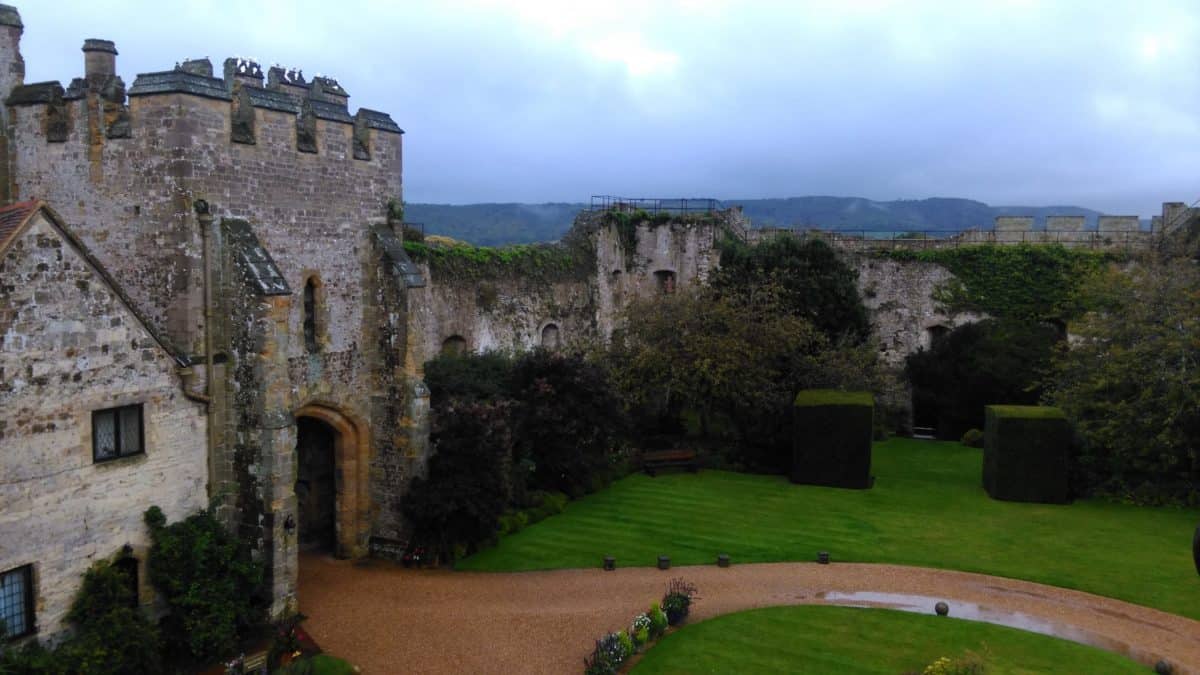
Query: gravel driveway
column 387, row 619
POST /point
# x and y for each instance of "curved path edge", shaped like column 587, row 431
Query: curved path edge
column 387, row 619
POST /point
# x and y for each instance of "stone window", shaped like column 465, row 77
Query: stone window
column 116, row 433
column 16, row 602
column 311, row 344
column 936, row 334
column 550, row 336
column 666, row 281
column 455, row 345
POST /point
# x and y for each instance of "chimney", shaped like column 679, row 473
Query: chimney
column 99, row 59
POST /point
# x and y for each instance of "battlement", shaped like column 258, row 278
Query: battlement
column 97, row 105
column 1111, row 232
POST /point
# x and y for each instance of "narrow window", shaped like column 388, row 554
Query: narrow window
column 16, row 602
column 937, row 334
column 550, row 336
column 310, row 316
column 117, row 432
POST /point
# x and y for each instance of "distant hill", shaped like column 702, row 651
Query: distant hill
column 498, row 224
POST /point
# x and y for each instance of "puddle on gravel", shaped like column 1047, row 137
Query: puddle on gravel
column 970, row 611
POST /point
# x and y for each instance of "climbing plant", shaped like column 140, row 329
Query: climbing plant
column 462, row 261
column 1024, row 281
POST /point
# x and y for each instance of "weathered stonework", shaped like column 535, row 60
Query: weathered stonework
column 66, row 336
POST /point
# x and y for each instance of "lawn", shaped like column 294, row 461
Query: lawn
column 814, row 639
column 927, row 508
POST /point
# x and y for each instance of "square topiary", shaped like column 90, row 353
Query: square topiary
column 1026, row 454
column 832, row 433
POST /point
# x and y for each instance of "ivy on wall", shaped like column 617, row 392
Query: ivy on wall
column 461, row 261
column 1023, row 281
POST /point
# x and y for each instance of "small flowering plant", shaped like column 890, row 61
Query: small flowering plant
column 639, row 630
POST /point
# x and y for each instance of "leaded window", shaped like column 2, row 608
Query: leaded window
column 117, row 432
column 16, row 602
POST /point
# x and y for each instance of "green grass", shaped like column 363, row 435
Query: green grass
column 927, row 508
column 815, row 639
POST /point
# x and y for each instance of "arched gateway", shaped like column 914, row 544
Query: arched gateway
column 332, row 496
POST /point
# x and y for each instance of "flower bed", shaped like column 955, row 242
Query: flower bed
column 614, row 649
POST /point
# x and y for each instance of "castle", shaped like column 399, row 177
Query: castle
column 205, row 299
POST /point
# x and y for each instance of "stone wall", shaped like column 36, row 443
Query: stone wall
column 65, row 337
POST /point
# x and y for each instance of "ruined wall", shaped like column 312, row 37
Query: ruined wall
column 899, row 298
column 66, row 337
column 499, row 312
column 676, row 254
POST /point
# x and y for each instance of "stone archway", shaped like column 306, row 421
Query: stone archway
column 322, row 429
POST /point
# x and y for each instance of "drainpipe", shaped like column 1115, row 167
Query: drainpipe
column 205, row 217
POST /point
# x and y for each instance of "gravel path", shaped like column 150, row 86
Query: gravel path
column 387, row 619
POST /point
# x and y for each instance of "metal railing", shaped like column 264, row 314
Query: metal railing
column 655, row 206
column 874, row 240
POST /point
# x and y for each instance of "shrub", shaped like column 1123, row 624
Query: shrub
column 978, row 364
column 639, row 630
column 468, row 377
column 461, row 500
column 1025, row 456
column 567, row 419
column 627, row 646
column 32, row 659
column 833, row 432
column 111, row 634
column 658, row 621
column 606, row 657
column 973, row 438
column 209, row 582
column 677, row 601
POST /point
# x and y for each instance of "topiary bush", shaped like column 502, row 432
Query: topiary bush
column 832, row 433
column 210, row 583
column 1026, row 454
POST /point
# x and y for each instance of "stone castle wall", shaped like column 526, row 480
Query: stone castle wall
column 64, row 335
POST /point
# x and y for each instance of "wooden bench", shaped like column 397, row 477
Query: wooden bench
column 653, row 460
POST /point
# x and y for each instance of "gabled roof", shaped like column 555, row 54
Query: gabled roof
column 15, row 219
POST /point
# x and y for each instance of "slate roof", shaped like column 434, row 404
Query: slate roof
column 394, row 253
column 12, row 217
column 257, row 266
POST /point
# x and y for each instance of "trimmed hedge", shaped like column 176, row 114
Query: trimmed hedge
column 832, row 434
column 1026, row 454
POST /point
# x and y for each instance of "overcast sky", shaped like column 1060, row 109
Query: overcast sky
column 1091, row 103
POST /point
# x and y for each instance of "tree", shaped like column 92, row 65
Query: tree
column 1131, row 384
column 812, row 280
column 977, row 364
column 739, row 355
